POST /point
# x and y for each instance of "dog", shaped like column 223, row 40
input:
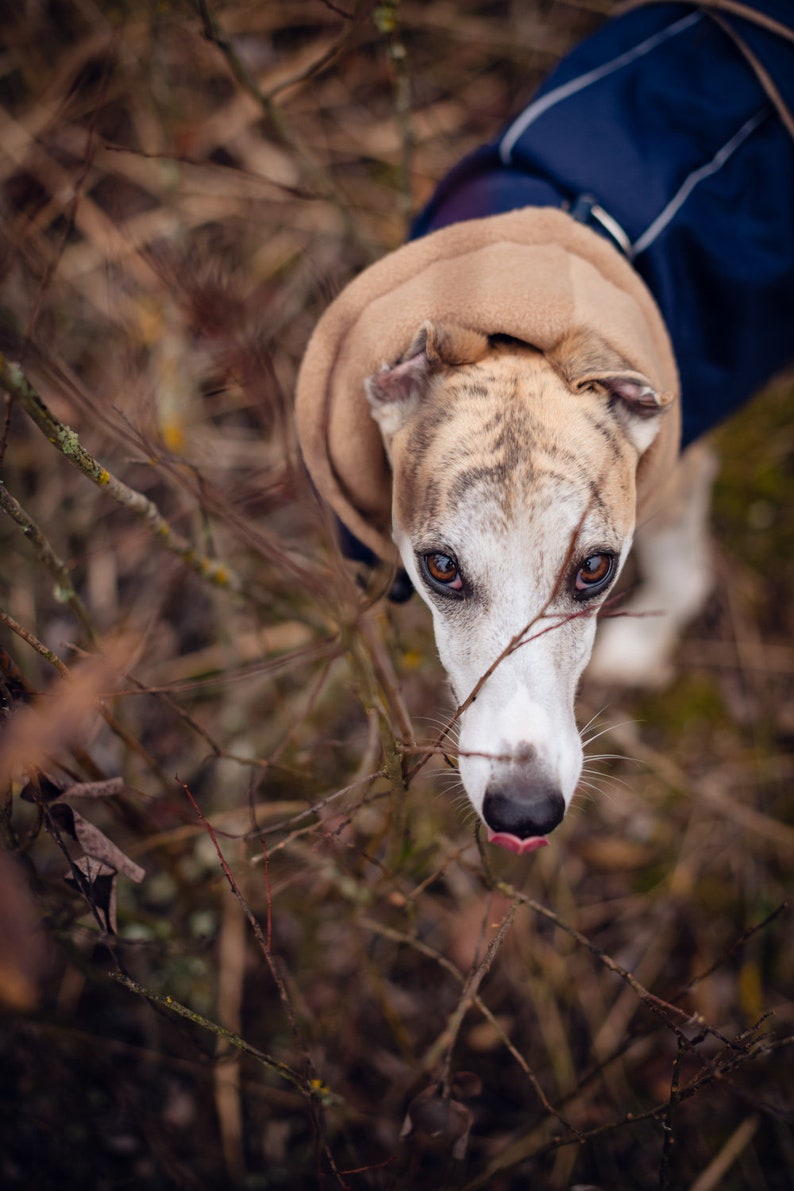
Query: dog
column 466, row 519
column 498, row 404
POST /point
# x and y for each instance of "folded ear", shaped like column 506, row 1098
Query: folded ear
column 395, row 391
column 585, row 361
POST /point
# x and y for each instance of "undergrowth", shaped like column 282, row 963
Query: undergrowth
column 249, row 934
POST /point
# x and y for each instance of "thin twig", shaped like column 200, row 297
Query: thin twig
column 17, row 385
column 30, row 639
column 64, row 590
column 316, row 176
column 167, row 1002
column 668, row 1144
column 657, row 1005
column 387, row 20
column 254, row 922
column 312, row 1082
column 445, row 1042
column 424, row 948
column 522, row 1149
column 743, row 938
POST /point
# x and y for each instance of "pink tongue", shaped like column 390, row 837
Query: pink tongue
column 514, row 844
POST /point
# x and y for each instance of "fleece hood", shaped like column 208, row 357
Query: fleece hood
column 534, row 274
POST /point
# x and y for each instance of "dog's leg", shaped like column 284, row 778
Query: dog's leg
column 673, row 555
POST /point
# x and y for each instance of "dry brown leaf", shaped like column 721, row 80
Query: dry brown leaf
column 97, row 882
column 97, row 846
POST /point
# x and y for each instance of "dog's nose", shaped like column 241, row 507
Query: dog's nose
column 523, row 807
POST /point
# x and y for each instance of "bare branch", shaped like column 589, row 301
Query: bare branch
column 65, row 440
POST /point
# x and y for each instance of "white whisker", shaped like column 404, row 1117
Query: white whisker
column 593, row 719
column 590, row 789
column 611, row 757
column 607, row 777
column 603, row 731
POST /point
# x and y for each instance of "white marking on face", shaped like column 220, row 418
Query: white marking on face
column 514, row 598
column 513, row 511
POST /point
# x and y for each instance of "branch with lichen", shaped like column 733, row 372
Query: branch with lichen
column 166, row 1002
column 17, row 385
column 32, row 640
column 64, row 590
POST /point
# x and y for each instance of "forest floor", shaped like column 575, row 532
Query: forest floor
column 282, row 955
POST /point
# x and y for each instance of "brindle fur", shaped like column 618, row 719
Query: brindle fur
column 520, row 466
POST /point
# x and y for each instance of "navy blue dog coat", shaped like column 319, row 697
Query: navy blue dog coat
column 667, row 132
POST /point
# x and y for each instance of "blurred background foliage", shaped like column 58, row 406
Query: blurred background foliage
column 282, row 958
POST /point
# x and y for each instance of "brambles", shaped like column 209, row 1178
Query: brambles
column 595, row 1014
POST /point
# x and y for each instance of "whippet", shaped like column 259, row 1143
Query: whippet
column 513, row 512
column 523, row 389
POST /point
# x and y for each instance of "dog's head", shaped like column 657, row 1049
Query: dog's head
column 513, row 511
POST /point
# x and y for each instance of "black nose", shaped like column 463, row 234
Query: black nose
column 519, row 806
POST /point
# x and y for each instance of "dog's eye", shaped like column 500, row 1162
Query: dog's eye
column 442, row 570
column 594, row 575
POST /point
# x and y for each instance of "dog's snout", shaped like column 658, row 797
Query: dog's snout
column 522, row 805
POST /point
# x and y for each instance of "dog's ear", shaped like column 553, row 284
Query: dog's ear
column 586, row 362
column 395, row 391
column 634, row 402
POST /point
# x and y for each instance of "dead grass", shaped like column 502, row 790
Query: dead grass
column 322, row 980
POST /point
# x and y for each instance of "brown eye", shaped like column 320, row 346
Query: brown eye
column 442, row 570
column 593, row 575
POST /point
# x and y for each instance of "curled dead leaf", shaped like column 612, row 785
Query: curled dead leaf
column 441, row 1121
column 97, row 882
column 94, row 872
column 97, row 846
